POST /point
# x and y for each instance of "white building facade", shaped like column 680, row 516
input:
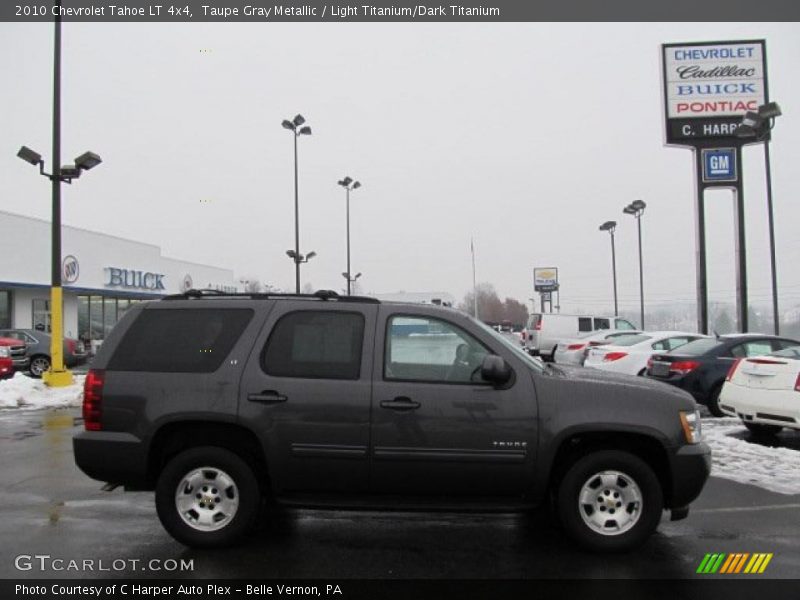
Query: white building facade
column 101, row 275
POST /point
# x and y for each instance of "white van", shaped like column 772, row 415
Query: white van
column 544, row 330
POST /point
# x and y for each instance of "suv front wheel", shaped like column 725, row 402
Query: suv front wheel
column 610, row 501
column 207, row 497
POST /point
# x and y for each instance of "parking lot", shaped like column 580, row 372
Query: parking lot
column 52, row 509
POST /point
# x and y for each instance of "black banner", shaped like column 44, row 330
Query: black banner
column 397, row 11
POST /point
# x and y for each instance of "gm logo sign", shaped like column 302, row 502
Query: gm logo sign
column 719, row 164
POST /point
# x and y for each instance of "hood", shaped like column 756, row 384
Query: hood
column 643, row 388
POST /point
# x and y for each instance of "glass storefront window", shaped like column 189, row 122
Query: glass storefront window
column 41, row 315
column 83, row 318
column 96, row 317
column 109, row 315
column 5, row 309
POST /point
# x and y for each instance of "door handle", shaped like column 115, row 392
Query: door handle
column 267, row 397
column 400, row 403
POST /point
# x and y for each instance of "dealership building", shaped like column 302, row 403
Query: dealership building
column 102, row 275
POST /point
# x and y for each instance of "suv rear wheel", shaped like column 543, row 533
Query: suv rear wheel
column 610, row 501
column 207, row 497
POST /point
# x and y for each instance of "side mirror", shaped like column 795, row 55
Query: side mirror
column 495, row 369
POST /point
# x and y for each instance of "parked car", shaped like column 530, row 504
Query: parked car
column 38, row 349
column 700, row 366
column 12, row 356
column 544, row 330
column 764, row 391
column 630, row 354
column 217, row 402
column 574, row 351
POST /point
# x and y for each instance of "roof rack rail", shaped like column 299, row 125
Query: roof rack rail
column 323, row 295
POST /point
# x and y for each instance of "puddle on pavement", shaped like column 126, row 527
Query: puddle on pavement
column 55, row 421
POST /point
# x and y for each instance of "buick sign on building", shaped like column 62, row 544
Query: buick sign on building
column 102, row 276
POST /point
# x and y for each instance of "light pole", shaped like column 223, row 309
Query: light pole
column 757, row 126
column 350, row 280
column 348, row 184
column 58, row 375
column 610, row 227
column 636, row 209
column 295, row 127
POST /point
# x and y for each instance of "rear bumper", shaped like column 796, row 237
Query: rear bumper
column 690, row 466
column 762, row 406
column 112, row 456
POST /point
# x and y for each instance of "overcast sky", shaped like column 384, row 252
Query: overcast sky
column 526, row 136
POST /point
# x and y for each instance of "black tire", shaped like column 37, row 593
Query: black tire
column 582, row 473
column 39, row 364
column 233, row 470
column 760, row 429
column 713, row 402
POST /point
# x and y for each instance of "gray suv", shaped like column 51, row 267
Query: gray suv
column 221, row 403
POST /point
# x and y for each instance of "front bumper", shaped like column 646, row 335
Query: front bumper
column 690, row 467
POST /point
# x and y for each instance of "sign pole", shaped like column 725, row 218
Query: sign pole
column 700, row 250
column 741, row 250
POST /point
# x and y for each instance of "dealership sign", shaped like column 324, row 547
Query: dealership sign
column 709, row 86
column 130, row 279
column 545, row 279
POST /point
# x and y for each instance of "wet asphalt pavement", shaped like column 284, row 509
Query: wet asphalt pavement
column 51, row 508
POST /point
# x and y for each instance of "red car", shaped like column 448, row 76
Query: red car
column 12, row 355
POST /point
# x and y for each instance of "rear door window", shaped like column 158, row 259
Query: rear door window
column 315, row 344
column 180, row 340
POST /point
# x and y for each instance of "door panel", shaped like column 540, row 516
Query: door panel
column 437, row 429
column 307, row 395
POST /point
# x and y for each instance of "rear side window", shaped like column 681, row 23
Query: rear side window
column 314, row 344
column 584, row 324
column 623, row 324
column 180, row 340
column 602, row 323
column 698, row 347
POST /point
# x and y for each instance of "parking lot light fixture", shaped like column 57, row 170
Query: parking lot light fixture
column 636, row 209
column 30, row 156
column 293, row 126
column 87, row 160
column 349, row 185
column 610, row 227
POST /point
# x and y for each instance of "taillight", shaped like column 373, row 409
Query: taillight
column 732, row 370
column 612, row 356
column 575, row 346
column 93, row 399
column 70, row 346
column 797, row 383
column 538, row 326
column 649, row 364
column 682, row 367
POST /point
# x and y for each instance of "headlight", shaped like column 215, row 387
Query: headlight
column 692, row 429
column 4, row 352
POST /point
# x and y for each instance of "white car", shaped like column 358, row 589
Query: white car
column 574, row 351
column 764, row 391
column 630, row 354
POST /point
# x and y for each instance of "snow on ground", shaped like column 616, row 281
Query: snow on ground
column 748, row 461
column 25, row 392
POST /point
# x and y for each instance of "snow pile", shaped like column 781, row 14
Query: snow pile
column 747, row 461
column 25, row 392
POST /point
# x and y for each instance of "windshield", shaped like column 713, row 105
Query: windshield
column 517, row 348
column 698, row 347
